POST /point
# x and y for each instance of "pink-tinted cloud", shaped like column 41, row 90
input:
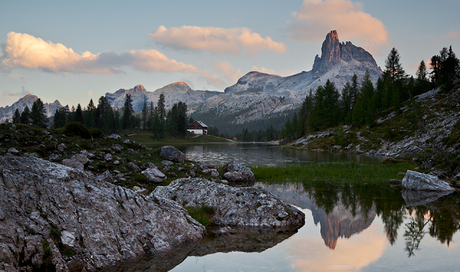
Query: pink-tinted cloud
column 29, row 52
column 452, row 35
column 226, row 68
column 316, row 18
column 216, row 40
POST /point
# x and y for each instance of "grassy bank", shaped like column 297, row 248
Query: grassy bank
column 335, row 172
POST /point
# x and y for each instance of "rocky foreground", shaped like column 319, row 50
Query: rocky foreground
column 55, row 217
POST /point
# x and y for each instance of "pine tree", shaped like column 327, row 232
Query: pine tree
column 144, row 116
column 161, row 108
column 88, row 116
column 393, row 66
column 127, row 113
column 151, row 116
column 38, row 114
column 16, row 116
column 78, row 114
column 25, row 116
column 60, row 117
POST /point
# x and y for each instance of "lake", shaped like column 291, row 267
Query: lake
column 348, row 228
column 253, row 154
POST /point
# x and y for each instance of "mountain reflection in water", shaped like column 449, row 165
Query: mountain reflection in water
column 364, row 227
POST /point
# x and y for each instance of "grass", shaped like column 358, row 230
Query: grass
column 203, row 215
column 334, row 172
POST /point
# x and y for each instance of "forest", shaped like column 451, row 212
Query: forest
column 360, row 103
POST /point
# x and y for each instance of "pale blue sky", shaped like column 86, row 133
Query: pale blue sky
column 288, row 38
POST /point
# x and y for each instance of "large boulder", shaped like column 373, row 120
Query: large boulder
column 171, row 153
column 59, row 208
column 238, row 207
column 418, row 181
column 154, row 175
column 237, row 172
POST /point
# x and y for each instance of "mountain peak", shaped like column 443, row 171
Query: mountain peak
column 333, row 52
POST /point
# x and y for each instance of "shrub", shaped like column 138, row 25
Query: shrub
column 77, row 129
column 96, row 133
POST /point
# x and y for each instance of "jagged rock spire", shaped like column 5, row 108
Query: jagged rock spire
column 333, row 52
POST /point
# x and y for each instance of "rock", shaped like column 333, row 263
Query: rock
column 91, row 215
column 87, row 154
column 108, row 157
column 53, row 157
column 243, row 173
column 134, row 167
column 141, row 146
column 114, row 136
column 167, row 163
column 60, row 147
column 140, row 190
column 116, row 162
column 13, row 151
column 415, row 198
column 105, row 177
column 171, row 153
column 241, row 207
column 153, row 175
column 46, row 132
column 233, row 176
column 73, row 164
column 417, row 181
column 117, row 147
column 128, row 141
column 212, row 172
column 205, row 165
column 81, row 158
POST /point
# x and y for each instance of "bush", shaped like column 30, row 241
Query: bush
column 96, row 133
column 77, row 129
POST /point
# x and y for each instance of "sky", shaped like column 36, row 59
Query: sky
column 74, row 51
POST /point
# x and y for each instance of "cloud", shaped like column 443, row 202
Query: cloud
column 316, row 18
column 16, row 76
column 226, row 68
column 452, row 35
column 90, row 93
column 216, row 40
column 19, row 94
column 28, row 52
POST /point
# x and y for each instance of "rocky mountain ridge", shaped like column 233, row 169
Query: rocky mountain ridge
column 6, row 113
column 258, row 96
column 173, row 93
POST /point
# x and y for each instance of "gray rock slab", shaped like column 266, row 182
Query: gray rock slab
column 101, row 222
column 238, row 207
column 418, row 181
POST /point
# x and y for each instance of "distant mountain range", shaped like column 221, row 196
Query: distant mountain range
column 256, row 98
column 6, row 113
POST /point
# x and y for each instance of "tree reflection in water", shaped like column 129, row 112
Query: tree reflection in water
column 440, row 218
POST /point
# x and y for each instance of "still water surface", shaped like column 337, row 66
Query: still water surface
column 261, row 154
column 360, row 228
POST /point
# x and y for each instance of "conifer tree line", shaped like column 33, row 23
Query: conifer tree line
column 109, row 120
column 360, row 103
